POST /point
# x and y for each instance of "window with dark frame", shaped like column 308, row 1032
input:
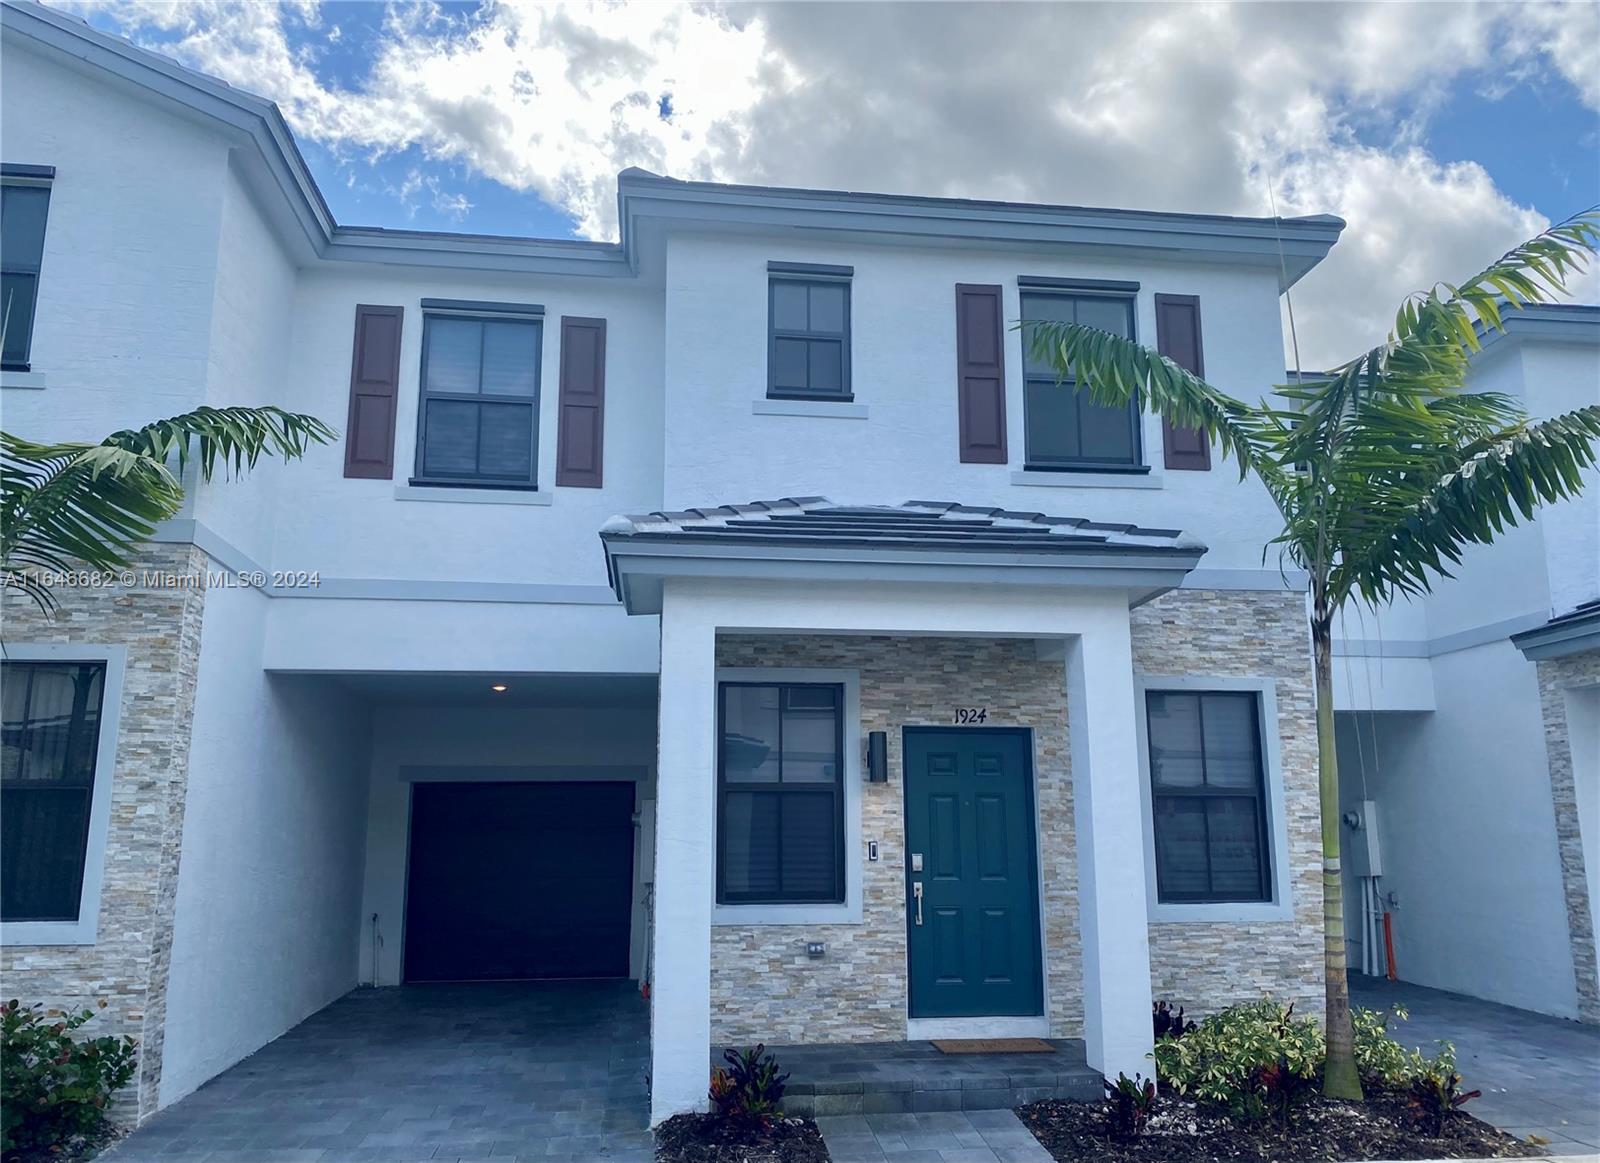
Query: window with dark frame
column 780, row 793
column 24, row 208
column 1208, row 797
column 479, row 411
column 49, row 747
column 1065, row 428
column 808, row 337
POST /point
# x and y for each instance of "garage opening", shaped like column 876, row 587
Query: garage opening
column 519, row 881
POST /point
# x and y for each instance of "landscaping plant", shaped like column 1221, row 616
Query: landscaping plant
column 72, row 506
column 1383, row 472
column 1384, row 1063
column 1256, row 1060
column 750, row 1088
column 1169, row 1024
column 1436, row 1095
column 53, row 1087
column 1132, row 1100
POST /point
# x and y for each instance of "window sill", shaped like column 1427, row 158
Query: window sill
column 844, row 914
column 21, row 379
column 46, row 933
column 1083, row 479
column 471, row 496
column 1222, row 913
column 829, row 409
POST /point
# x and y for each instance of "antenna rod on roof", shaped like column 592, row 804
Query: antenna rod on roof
column 1283, row 273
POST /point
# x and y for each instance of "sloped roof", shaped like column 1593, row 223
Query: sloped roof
column 1573, row 632
column 815, row 538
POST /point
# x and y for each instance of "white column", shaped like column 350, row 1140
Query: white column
column 680, row 1009
column 1109, row 823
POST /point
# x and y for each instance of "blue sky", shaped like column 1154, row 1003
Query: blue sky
column 1443, row 133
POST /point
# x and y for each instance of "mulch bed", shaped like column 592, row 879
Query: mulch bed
column 708, row 1139
column 78, row 1147
column 1325, row 1129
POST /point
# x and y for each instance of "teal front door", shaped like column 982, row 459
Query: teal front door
column 972, row 893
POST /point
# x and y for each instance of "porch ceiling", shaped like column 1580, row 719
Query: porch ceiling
column 813, row 538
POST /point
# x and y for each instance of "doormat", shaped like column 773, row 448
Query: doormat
column 994, row 1046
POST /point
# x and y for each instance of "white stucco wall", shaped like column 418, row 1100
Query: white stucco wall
column 270, row 875
column 410, row 742
column 1467, row 832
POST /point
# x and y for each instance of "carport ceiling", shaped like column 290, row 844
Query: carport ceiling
column 522, row 690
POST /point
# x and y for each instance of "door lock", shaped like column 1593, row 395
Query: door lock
column 916, row 894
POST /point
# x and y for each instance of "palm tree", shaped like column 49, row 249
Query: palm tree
column 1383, row 472
column 73, row 506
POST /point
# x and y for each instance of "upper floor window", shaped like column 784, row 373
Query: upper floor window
column 24, row 204
column 1208, row 796
column 49, row 752
column 780, row 794
column 808, row 331
column 479, row 418
column 1065, row 428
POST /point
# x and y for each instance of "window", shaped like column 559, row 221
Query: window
column 1208, row 797
column 1065, row 428
column 480, row 399
column 808, row 334
column 780, row 794
column 49, row 753
column 24, row 204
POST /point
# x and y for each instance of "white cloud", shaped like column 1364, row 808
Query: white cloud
column 1186, row 107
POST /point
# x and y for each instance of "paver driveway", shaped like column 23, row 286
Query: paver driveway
column 1539, row 1075
column 547, row 1071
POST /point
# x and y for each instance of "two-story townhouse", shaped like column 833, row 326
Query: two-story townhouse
column 1468, row 722
column 920, row 759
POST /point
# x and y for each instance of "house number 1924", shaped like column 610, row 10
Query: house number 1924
column 972, row 714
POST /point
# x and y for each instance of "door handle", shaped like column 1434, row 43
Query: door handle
column 916, row 894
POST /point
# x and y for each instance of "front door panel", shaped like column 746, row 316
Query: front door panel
column 969, row 815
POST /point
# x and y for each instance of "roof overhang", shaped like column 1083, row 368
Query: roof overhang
column 649, row 203
column 1546, row 322
column 950, row 544
column 1569, row 634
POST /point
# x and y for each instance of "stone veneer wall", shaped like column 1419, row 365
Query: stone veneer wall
column 1205, row 966
column 763, row 987
column 128, row 963
column 1556, row 677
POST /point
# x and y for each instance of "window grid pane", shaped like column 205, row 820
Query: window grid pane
column 808, row 337
column 49, row 746
column 780, row 794
column 1208, row 796
column 480, row 382
column 1064, row 427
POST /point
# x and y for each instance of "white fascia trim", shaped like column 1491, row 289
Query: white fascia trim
column 85, row 929
column 1281, row 907
column 927, row 1029
column 848, row 913
column 1444, row 644
column 1153, row 479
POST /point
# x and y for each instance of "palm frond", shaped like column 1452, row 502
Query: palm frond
column 235, row 436
column 1416, row 528
column 1115, row 369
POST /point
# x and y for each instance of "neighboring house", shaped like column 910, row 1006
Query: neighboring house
column 1471, row 720
column 1011, row 734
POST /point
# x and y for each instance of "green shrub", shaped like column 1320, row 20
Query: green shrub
column 53, row 1088
column 1435, row 1095
column 1256, row 1060
column 1384, row 1063
column 750, row 1089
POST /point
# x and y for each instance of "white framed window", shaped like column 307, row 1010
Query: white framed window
column 743, row 685
column 1216, row 835
column 58, row 748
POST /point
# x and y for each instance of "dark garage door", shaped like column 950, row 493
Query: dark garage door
column 519, row 880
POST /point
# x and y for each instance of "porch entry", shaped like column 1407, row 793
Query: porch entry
column 972, row 892
column 517, row 881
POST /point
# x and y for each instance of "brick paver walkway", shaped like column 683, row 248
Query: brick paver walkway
column 936, row 1137
column 547, row 1071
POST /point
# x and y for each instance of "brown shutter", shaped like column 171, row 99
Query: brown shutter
column 374, row 393
column 980, row 374
column 1178, row 338
column 580, row 432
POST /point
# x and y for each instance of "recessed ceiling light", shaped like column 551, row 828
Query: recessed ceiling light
column 499, row 688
